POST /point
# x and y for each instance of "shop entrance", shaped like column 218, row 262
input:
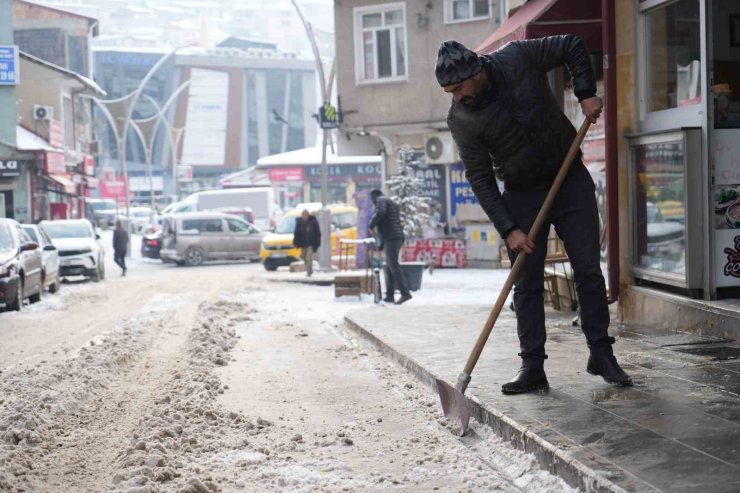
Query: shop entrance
column 6, row 204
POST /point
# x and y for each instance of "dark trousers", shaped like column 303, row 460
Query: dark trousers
column 393, row 274
column 575, row 217
column 120, row 259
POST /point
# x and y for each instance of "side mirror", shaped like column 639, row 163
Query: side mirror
column 50, row 248
column 97, row 236
column 29, row 246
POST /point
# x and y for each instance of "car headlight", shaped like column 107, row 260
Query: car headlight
column 7, row 270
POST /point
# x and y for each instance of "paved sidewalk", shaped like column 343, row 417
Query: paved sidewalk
column 677, row 430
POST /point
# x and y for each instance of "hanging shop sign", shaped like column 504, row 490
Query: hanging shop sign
column 55, row 163
column 286, row 174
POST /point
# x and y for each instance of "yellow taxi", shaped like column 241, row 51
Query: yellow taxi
column 277, row 247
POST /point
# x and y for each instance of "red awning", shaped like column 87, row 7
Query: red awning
column 66, row 183
column 540, row 18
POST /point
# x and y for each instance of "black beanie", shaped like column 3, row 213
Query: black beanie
column 455, row 63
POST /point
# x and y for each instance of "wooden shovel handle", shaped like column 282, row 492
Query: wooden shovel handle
column 520, row 258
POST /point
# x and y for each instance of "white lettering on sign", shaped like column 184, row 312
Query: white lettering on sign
column 8, row 165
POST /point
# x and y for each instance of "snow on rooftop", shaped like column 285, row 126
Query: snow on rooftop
column 312, row 156
column 29, row 141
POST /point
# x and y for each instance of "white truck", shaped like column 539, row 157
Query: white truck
column 261, row 200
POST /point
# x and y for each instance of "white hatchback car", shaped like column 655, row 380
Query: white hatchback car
column 79, row 247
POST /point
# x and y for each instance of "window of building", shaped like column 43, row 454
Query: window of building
column 672, row 44
column 466, row 10
column 380, row 42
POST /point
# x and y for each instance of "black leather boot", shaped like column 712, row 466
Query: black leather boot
column 529, row 379
column 603, row 363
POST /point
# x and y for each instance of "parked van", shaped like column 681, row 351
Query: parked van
column 193, row 238
column 260, row 200
column 277, row 248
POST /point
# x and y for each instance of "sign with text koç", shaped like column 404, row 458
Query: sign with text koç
column 10, row 168
column 460, row 190
column 286, row 174
column 9, row 66
column 55, row 163
column 336, row 172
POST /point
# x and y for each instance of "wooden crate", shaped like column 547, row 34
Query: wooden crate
column 352, row 284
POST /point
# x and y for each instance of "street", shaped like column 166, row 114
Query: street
column 218, row 379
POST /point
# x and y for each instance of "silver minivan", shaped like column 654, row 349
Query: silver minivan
column 195, row 237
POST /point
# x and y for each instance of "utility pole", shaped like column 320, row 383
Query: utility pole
column 326, row 90
column 7, row 88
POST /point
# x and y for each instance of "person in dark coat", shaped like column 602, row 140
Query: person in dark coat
column 387, row 223
column 307, row 237
column 508, row 125
column 120, row 246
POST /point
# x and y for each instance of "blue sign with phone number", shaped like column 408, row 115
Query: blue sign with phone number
column 9, row 66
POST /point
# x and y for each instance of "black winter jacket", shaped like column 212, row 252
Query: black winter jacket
column 120, row 241
column 308, row 236
column 387, row 219
column 517, row 131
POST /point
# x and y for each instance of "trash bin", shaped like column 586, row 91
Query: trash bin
column 413, row 272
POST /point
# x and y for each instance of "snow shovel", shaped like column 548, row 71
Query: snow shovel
column 454, row 404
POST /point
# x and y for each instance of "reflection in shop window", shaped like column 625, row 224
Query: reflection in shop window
column 660, row 218
column 674, row 57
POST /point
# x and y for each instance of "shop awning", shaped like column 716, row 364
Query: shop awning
column 540, row 18
column 69, row 186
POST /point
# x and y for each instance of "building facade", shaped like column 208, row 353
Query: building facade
column 678, row 94
column 242, row 103
column 389, row 95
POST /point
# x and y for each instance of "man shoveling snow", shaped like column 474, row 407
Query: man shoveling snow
column 507, row 124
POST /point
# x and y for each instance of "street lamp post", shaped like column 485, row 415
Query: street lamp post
column 120, row 111
column 146, row 129
column 326, row 90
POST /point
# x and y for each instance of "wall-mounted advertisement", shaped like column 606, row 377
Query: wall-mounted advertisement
column 205, row 129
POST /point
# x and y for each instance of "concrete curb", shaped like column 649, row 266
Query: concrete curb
column 550, row 457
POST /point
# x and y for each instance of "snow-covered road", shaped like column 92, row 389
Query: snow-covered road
column 213, row 379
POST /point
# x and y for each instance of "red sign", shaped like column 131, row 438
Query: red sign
column 56, row 133
column 55, row 163
column 286, row 174
column 185, row 173
column 88, row 166
column 113, row 189
column 444, row 253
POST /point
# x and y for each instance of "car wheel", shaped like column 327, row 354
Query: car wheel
column 96, row 276
column 54, row 287
column 194, row 256
column 101, row 271
column 35, row 298
column 17, row 305
column 270, row 267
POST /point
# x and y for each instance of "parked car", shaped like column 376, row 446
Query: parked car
column 50, row 272
column 151, row 244
column 80, row 250
column 193, row 238
column 277, row 248
column 20, row 266
column 140, row 218
column 98, row 209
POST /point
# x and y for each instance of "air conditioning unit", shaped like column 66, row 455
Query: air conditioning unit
column 41, row 112
column 439, row 148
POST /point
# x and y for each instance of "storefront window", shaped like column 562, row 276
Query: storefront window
column 674, row 56
column 660, row 217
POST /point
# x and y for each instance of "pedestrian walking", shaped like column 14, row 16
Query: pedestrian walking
column 507, row 125
column 387, row 222
column 120, row 246
column 307, row 237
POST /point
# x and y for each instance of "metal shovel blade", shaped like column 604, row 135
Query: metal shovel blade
column 454, row 406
